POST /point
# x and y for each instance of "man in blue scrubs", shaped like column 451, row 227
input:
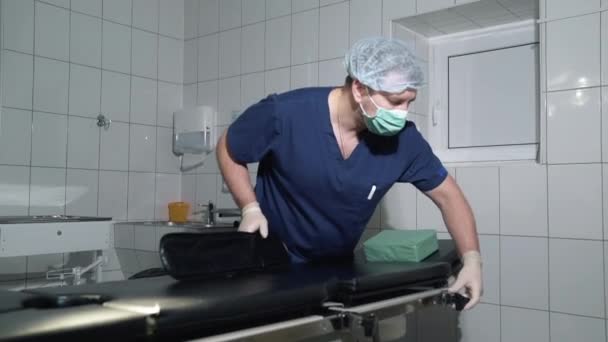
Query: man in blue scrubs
column 328, row 155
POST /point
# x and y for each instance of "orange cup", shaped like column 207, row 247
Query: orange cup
column 178, row 212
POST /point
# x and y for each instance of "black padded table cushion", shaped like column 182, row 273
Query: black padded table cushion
column 190, row 308
column 202, row 307
column 95, row 322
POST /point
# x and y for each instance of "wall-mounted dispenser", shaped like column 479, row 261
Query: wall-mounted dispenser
column 194, row 133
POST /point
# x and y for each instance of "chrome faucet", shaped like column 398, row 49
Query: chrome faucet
column 208, row 211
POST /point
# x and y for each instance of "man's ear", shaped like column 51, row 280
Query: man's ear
column 359, row 90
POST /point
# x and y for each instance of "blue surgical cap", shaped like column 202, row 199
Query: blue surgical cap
column 383, row 64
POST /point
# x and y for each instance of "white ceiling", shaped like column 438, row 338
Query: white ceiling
column 484, row 13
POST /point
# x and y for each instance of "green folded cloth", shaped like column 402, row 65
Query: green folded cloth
column 401, row 245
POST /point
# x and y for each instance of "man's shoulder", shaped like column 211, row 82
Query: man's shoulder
column 302, row 96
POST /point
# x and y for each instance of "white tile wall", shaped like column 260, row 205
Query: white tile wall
column 83, row 143
column 278, row 42
column 333, row 29
column 15, row 184
column 141, row 198
column 209, row 17
column 229, row 90
column 142, row 148
column 169, row 101
column 144, row 57
column 118, row 11
column 47, row 191
column 277, row 81
column 570, row 328
column 585, row 143
column 145, row 14
column 84, row 91
column 277, row 8
column 92, row 7
column 190, row 61
column 480, row 186
column 188, row 188
column 62, row 154
column 253, row 11
column 604, row 52
column 490, row 249
column 18, row 18
column 604, row 118
column 171, row 20
column 564, row 8
column 428, row 215
column 481, row 324
column 81, row 192
column 230, row 14
column 51, row 85
column 365, row 19
column 17, row 79
column 230, row 53
column 113, row 191
column 575, row 197
column 116, row 96
column 85, row 40
column 523, row 200
column 189, row 95
column 566, row 277
column 305, row 75
column 52, row 35
column 191, row 12
column 303, row 5
column 515, row 256
column 208, row 94
column 305, row 37
column 167, row 191
column 253, row 48
column 331, row 72
column 49, row 139
column 252, row 89
column 398, row 207
column 116, row 47
column 113, row 154
column 170, row 60
column 524, row 325
column 581, row 67
column 208, row 57
column 143, row 100
column 166, row 161
column 15, row 136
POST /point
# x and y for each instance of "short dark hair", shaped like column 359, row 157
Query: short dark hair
column 348, row 82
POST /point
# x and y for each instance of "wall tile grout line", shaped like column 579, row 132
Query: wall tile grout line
column 29, row 204
column 97, row 68
column 67, row 130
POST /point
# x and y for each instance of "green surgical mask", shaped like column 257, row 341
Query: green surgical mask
column 386, row 122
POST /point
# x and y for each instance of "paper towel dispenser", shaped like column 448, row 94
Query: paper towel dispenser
column 194, row 133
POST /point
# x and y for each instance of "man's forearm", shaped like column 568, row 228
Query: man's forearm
column 235, row 175
column 457, row 215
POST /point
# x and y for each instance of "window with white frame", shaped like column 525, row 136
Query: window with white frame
column 484, row 94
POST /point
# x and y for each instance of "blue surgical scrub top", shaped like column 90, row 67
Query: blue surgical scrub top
column 317, row 202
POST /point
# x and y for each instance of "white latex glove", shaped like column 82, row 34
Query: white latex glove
column 253, row 220
column 468, row 283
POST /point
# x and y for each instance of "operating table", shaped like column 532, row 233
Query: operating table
column 343, row 300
